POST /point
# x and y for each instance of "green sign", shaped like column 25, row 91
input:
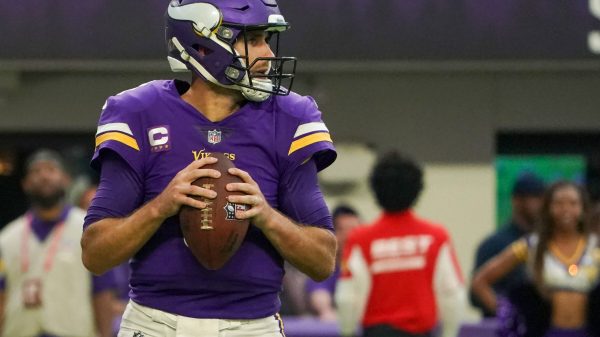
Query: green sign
column 548, row 167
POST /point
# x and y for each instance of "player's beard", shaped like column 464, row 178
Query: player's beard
column 47, row 201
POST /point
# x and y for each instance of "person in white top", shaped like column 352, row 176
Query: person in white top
column 44, row 288
column 563, row 264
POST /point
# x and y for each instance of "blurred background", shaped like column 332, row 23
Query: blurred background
column 476, row 90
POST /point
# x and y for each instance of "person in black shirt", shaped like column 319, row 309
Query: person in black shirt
column 526, row 201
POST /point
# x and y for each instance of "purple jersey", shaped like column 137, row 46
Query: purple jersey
column 158, row 134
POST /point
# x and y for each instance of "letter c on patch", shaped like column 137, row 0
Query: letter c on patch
column 158, row 136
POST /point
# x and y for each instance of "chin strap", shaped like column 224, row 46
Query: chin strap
column 255, row 95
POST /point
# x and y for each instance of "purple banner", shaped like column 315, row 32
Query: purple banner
column 321, row 29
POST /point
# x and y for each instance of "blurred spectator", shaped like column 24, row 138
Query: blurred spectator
column 400, row 272
column 563, row 270
column 121, row 272
column 526, row 201
column 320, row 294
column 44, row 288
column 293, row 297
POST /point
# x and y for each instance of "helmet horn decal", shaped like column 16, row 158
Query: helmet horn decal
column 205, row 17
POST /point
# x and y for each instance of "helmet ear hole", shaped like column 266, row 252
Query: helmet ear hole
column 202, row 50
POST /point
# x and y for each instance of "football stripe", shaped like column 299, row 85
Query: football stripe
column 281, row 327
column 121, row 127
column 119, row 137
column 308, row 140
column 310, row 127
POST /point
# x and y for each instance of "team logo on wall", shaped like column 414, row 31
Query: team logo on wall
column 214, row 136
column 158, row 137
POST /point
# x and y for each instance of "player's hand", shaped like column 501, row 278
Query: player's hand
column 259, row 209
column 180, row 190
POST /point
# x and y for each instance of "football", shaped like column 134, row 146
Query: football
column 213, row 234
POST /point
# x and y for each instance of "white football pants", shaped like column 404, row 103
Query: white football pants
column 141, row 321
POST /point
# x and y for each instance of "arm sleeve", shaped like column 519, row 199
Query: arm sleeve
column 301, row 198
column 119, row 193
column 352, row 289
column 449, row 290
column 302, row 134
column 120, row 130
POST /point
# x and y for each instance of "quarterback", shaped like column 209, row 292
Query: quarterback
column 152, row 143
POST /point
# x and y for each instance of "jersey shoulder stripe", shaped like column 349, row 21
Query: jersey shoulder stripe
column 121, row 127
column 309, row 128
column 118, row 137
column 309, row 140
column 119, row 132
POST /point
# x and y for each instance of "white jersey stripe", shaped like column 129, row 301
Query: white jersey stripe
column 352, row 293
column 310, row 127
column 450, row 291
column 398, row 264
column 121, row 127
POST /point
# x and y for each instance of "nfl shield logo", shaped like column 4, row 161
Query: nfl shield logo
column 214, row 136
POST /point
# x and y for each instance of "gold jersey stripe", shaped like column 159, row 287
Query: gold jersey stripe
column 308, row 140
column 119, row 137
column 520, row 249
column 281, row 328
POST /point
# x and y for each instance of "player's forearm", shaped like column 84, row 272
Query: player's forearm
column 112, row 241
column 310, row 249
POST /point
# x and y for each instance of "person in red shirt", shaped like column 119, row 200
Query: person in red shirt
column 399, row 272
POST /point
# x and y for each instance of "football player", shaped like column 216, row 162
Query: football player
column 152, row 143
